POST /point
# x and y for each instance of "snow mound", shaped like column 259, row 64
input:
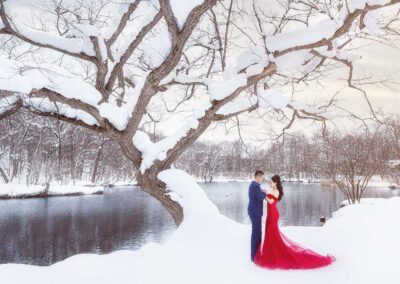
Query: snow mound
column 184, row 189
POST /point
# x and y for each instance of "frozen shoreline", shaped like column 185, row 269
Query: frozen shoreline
column 20, row 191
column 372, row 183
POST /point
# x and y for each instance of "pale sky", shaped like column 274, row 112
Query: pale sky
column 378, row 61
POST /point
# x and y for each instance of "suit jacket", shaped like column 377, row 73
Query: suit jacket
column 256, row 198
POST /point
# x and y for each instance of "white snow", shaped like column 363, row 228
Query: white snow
column 7, row 103
column 253, row 60
column 45, row 105
column 359, row 4
column 378, row 181
column 188, row 193
column 272, row 98
column 338, row 53
column 16, row 189
column 73, row 45
column 120, row 115
column 324, row 29
column 281, row 41
column 210, row 248
column 156, row 49
column 237, row 105
column 158, row 150
column 72, row 87
column 133, row 29
column 182, row 8
column 394, row 163
column 294, row 61
column 299, row 105
column 221, row 89
column 14, row 78
column 291, row 61
column 83, row 31
column 75, row 88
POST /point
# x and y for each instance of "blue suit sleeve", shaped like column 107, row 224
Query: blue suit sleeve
column 259, row 194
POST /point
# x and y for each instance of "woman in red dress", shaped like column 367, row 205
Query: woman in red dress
column 277, row 250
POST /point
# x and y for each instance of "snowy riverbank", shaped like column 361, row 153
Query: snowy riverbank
column 14, row 190
column 376, row 181
column 210, row 248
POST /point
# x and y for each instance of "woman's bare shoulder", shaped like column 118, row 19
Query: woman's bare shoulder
column 275, row 193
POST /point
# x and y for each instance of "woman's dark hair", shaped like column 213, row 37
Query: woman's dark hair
column 277, row 180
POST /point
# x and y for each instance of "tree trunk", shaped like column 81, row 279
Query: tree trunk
column 72, row 159
column 15, row 168
column 149, row 183
column 31, row 159
column 3, row 174
column 97, row 160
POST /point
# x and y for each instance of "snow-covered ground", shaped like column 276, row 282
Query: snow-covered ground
column 15, row 190
column 210, row 248
column 221, row 179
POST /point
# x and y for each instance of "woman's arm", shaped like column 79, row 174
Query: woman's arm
column 270, row 200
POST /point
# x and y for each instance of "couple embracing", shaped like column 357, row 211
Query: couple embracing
column 276, row 251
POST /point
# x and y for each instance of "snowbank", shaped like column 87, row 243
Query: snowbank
column 210, row 248
column 223, row 179
column 14, row 190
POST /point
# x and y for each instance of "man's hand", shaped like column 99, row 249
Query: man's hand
column 264, row 190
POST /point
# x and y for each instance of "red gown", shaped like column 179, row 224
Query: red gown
column 279, row 252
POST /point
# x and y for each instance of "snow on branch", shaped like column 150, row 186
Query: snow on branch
column 182, row 8
column 125, row 50
column 123, row 22
column 81, row 47
column 236, row 107
column 393, row 163
column 15, row 77
column 72, row 91
column 119, row 116
column 158, row 150
column 326, row 30
column 8, row 105
column 44, row 105
column 271, row 98
column 221, row 89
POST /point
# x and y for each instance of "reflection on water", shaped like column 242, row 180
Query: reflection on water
column 45, row 231
column 303, row 204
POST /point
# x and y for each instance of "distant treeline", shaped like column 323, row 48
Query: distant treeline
column 36, row 150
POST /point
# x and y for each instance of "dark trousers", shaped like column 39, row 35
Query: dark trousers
column 256, row 234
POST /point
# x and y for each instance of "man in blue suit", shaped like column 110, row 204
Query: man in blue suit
column 255, row 210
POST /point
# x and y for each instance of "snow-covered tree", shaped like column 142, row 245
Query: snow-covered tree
column 353, row 160
column 122, row 67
